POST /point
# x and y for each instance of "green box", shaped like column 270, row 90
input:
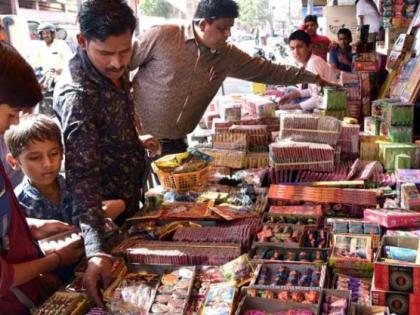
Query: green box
column 334, row 99
column 399, row 114
column 396, row 133
column 389, row 151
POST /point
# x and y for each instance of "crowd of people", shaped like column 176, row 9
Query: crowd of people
column 108, row 133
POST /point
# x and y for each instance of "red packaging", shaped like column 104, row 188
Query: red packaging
column 393, row 218
column 398, row 302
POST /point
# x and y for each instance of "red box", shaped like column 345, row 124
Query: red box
column 393, row 218
column 397, row 276
column 398, row 303
column 366, row 66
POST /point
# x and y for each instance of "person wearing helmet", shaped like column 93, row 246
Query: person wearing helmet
column 53, row 54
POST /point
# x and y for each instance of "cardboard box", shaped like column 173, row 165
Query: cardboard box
column 369, row 146
column 396, row 134
column 302, row 267
column 398, row 303
column 249, row 303
column 357, row 309
column 410, row 197
column 393, row 218
column 389, row 151
column 372, row 126
column 396, row 275
column 352, row 255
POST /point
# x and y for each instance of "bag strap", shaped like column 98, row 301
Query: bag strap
column 23, row 298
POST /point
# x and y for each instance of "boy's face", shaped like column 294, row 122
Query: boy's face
column 8, row 116
column 215, row 33
column 41, row 162
column 300, row 50
column 343, row 41
column 311, row 27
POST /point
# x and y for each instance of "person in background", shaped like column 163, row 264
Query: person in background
column 105, row 158
column 21, row 263
column 368, row 14
column 181, row 68
column 305, row 98
column 35, row 147
column 54, row 54
column 320, row 43
column 341, row 57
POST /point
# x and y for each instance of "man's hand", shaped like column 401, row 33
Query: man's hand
column 97, row 275
column 289, row 97
column 151, row 144
column 41, row 229
column 113, row 208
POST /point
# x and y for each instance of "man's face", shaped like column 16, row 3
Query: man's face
column 47, row 37
column 110, row 57
column 216, row 32
column 300, row 50
column 343, row 41
column 311, row 27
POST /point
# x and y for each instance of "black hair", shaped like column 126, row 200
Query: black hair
column 300, row 35
column 213, row 9
column 19, row 87
column 311, row 18
column 100, row 19
column 346, row 32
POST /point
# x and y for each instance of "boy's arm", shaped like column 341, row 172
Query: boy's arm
column 41, row 229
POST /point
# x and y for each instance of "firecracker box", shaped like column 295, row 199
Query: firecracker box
column 369, row 146
column 334, row 99
column 393, row 218
column 399, row 303
column 379, row 104
column 397, row 275
column 372, row 125
column 352, row 255
column 410, row 176
column 366, row 66
column 410, row 197
column 389, row 151
column 396, row 133
column 398, row 114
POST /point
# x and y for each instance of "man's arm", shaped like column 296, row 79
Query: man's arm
column 83, row 167
column 143, row 46
column 259, row 70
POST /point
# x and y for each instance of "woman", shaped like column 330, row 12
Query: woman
column 21, row 262
column 368, row 14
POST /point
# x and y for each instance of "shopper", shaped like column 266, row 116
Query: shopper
column 306, row 98
column 21, row 263
column 341, row 57
column 368, row 14
column 104, row 156
column 181, row 68
column 35, row 147
column 320, row 43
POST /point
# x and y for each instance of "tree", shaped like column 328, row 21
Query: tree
column 155, row 8
column 255, row 13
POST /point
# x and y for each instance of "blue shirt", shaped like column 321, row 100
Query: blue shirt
column 35, row 205
column 333, row 59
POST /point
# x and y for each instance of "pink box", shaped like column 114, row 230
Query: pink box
column 393, row 218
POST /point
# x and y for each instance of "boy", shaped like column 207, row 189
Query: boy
column 20, row 261
column 320, row 43
column 341, row 56
column 35, row 147
column 306, row 98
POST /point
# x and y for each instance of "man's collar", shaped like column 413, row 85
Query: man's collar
column 190, row 34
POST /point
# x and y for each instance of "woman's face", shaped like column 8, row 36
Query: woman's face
column 8, row 116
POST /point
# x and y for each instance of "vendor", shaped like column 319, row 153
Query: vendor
column 181, row 68
column 368, row 14
column 305, row 98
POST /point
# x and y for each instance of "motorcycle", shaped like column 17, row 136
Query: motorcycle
column 260, row 53
column 47, row 80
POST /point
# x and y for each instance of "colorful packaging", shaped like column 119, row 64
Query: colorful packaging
column 239, row 270
column 393, row 218
column 389, row 151
column 396, row 134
